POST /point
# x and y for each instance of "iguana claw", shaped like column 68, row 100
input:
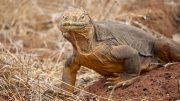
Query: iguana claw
column 115, row 84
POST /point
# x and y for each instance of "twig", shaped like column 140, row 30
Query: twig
column 111, row 94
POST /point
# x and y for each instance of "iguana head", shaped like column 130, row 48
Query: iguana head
column 75, row 20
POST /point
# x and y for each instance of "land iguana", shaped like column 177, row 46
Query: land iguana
column 115, row 50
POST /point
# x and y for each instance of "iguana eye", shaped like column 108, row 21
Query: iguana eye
column 82, row 17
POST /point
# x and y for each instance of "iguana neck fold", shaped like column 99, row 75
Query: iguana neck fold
column 83, row 42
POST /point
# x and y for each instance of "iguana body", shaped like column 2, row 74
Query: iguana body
column 125, row 35
column 111, row 49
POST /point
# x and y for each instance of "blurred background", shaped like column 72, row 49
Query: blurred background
column 33, row 51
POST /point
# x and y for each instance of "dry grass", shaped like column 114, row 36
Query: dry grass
column 32, row 50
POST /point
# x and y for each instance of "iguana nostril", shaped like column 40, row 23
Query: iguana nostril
column 64, row 18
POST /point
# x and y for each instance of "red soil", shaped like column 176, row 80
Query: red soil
column 157, row 85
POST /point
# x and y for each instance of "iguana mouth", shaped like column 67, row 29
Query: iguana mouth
column 73, row 25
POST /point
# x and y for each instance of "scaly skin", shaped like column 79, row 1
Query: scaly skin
column 111, row 55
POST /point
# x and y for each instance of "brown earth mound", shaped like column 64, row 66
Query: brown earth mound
column 157, row 15
column 157, row 85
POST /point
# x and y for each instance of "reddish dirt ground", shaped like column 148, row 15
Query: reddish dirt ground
column 157, row 85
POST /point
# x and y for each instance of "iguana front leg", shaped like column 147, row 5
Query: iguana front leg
column 69, row 76
column 128, row 58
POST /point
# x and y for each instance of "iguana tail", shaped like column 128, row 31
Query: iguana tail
column 167, row 50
